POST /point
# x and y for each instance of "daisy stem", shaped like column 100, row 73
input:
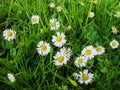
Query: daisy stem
column 10, row 7
column 43, row 69
column 42, row 23
column 88, row 13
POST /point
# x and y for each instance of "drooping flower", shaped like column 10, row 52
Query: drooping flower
column 114, row 29
column 100, row 50
column 11, row 77
column 54, row 24
column 43, row 48
column 81, row 4
column 91, row 15
column 59, row 39
column 89, row 52
column 9, row 34
column 59, row 8
column 81, row 61
column 69, row 27
column 35, row 19
column 114, row 44
column 94, row 1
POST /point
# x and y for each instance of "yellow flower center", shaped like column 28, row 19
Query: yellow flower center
column 9, row 34
column 53, row 24
column 58, row 38
column 43, row 47
column 60, row 59
column 95, row 1
column 118, row 15
column 59, row 8
column 85, row 77
column 66, row 51
column 114, row 44
column 114, row 29
column 98, row 49
column 34, row 20
column 90, row 15
column 88, row 52
column 80, row 61
column 69, row 27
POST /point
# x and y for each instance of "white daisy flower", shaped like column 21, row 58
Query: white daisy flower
column 59, row 39
column 54, row 24
column 81, row 61
column 59, row 8
column 35, row 19
column 11, row 77
column 100, row 50
column 85, row 77
column 43, row 48
column 91, row 15
column 89, row 52
column 114, row 29
column 66, row 51
column 60, row 59
column 117, row 14
column 52, row 5
column 114, row 44
column 9, row 34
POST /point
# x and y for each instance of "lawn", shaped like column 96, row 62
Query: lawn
column 59, row 44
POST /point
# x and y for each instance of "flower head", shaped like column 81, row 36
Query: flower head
column 35, row 19
column 94, row 1
column 60, row 59
column 52, row 5
column 81, row 4
column 69, row 27
column 117, row 14
column 11, row 77
column 81, row 61
column 59, row 39
column 66, row 51
column 43, row 48
column 91, row 15
column 89, row 52
column 114, row 44
column 9, row 34
column 100, row 50
column 114, row 29
column 59, row 8
column 85, row 77
column 54, row 24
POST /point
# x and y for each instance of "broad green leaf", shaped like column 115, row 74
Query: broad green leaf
column 12, row 52
column 74, row 83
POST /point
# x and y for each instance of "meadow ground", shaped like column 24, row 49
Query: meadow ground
column 59, row 45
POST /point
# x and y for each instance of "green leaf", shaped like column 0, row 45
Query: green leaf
column 116, row 59
column 74, row 83
column 12, row 52
column 91, row 62
column 104, row 70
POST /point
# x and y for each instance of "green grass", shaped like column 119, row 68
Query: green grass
column 35, row 72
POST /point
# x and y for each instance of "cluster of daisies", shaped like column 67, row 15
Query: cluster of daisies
column 64, row 54
column 88, row 53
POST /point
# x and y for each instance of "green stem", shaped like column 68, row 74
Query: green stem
column 11, row 3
